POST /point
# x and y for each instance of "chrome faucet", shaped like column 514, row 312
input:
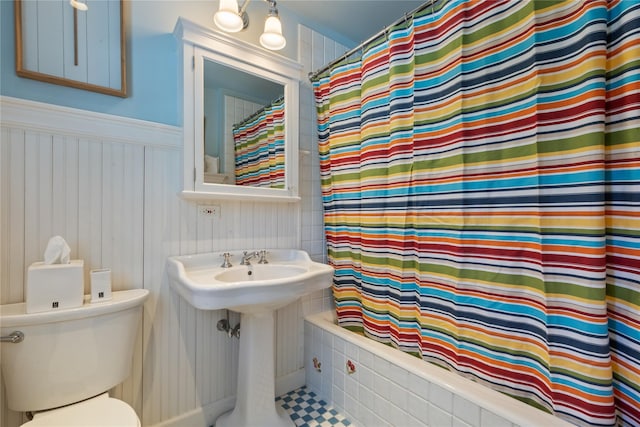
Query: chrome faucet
column 246, row 257
column 226, row 263
column 263, row 257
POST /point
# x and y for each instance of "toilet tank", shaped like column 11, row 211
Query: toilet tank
column 69, row 355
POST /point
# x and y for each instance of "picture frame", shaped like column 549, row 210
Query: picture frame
column 80, row 49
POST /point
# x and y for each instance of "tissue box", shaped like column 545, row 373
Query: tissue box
column 54, row 286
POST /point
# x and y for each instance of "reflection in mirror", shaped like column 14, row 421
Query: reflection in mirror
column 259, row 145
column 234, row 97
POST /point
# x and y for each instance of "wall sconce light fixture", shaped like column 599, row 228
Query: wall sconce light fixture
column 231, row 18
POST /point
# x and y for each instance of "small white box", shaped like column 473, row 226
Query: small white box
column 100, row 285
column 54, row 286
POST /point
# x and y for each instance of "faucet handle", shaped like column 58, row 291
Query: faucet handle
column 246, row 257
column 226, row 263
column 263, row 257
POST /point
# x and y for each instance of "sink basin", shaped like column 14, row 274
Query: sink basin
column 206, row 285
column 263, row 272
column 255, row 291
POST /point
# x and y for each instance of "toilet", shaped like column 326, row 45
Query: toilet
column 69, row 359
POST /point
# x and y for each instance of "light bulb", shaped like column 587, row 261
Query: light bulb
column 227, row 17
column 78, row 5
column 272, row 37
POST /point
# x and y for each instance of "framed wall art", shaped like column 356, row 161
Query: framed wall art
column 61, row 44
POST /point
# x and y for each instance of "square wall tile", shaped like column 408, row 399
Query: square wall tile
column 419, row 386
column 381, row 408
column 367, row 397
column 489, row 419
column 439, row 418
column 398, row 395
column 466, row 411
column 366, row 376
column 417, row 407
column 381, row 386
column 441, row 398
column 366, row 359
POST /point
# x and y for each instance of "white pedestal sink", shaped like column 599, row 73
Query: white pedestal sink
column 255, row 291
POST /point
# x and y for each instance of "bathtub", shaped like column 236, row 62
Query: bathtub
column 374, row 385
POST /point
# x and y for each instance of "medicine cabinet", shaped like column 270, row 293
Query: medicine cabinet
column 230, row 84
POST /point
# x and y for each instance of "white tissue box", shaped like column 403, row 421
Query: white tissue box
column 54, row 286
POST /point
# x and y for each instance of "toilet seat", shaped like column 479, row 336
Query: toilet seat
column 99, row 411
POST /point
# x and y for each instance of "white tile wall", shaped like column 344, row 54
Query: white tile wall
column 315, row 51
column 391, row 388
column 381, row 392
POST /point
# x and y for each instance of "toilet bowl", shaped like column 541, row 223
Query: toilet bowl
column 69, row 358
column 99, row 411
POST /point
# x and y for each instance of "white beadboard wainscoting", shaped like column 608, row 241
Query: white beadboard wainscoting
column 109, row 186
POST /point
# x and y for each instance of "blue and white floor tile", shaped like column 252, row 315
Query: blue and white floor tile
column 307, row 410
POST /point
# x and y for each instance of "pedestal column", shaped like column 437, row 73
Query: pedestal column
column 255, row 397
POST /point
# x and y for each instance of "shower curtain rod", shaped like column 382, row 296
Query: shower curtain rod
column 405, row 17
column 257, row 113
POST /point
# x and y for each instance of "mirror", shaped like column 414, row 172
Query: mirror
column 235, row 99
column 227, row 83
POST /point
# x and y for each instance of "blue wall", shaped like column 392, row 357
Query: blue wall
column 151, row 59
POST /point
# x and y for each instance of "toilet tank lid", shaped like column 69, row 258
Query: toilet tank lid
column 14, row 315
column 100, row 411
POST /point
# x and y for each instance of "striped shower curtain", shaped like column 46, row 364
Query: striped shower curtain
column 259, row 147
column 480, row 168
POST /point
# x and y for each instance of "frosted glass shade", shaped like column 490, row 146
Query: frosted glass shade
column 227, row 17
column 78, row 5
column 272, row 37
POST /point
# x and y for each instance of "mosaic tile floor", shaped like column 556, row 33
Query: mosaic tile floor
column 307, row 410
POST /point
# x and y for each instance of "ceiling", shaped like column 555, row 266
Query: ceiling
column 356, row 20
